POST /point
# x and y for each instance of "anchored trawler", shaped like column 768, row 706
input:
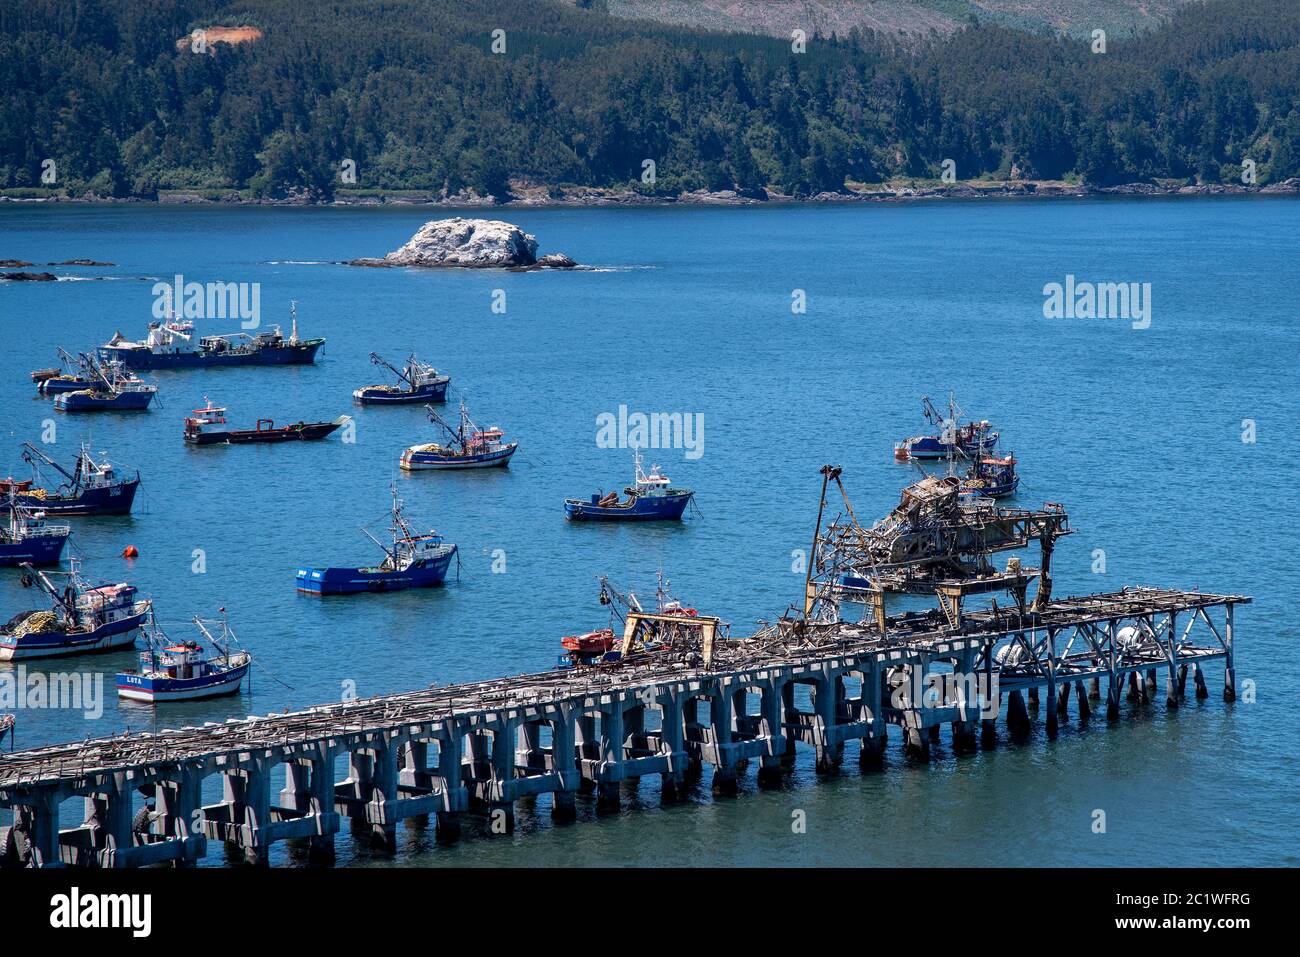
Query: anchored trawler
column 955, row 437
column 650, row 497
column 70, row 375
column 171, row 344
column 416, row 382
column 114, row 390
column 185, row 670
column 412, row 561
column 81, row 618
column 92, row 487
column 469, row 447
column 29, row 538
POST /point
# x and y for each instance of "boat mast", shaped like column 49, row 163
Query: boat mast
column 30, row 450
column 456, row 436
column 48, row 586
column 377, row 359
column 293, row 320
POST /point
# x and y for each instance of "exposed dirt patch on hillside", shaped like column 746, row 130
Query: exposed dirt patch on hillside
column 212, row 35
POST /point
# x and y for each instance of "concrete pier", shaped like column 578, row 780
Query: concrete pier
column 484, row 746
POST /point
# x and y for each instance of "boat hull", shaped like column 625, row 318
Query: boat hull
column 85, row 401
column 290, row 433
column 1003, row 490
column 136, row 687
column 933, row 447
column 355, row 581
column 436, row 392
column 109, row 500
column 413, row 459
column 60, row 385
column 301, row 353
column 37, row 549
column 665, row 508
column 116, row 634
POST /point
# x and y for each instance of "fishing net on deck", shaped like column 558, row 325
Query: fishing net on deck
column 34, row 623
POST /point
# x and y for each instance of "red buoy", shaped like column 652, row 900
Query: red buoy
column 130, row 552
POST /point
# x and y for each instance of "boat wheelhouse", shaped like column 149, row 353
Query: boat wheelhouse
column 27, row 537
column 413, row 560
column 416, row 382
column 469, row 447
column 81, row 618
column 171, row 344
column 186, row 670
column 651, row 497
column 93, row 487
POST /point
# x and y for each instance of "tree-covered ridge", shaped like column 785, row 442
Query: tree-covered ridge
column 411, row 91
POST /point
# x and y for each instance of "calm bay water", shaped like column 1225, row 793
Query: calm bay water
column 1138, row 432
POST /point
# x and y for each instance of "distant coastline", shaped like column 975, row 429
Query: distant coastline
column 590, row 196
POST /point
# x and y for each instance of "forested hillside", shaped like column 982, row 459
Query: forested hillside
column 411, row 91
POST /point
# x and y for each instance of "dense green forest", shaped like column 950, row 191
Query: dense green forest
column 411, row 91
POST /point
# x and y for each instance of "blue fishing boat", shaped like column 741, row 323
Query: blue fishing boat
column 171, row 345
column 991, row 477
column 412, row 561
column 81, row 618
column 185, row 670
column 651, row 498
column 469, row 447
column 115, row 390
column 416, row 382
column 6, row 726
column 955, row 437
column 92, row 487
column 29, row 538
column 71, row 375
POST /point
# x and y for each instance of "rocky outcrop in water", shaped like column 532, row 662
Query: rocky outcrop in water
column 470, row 243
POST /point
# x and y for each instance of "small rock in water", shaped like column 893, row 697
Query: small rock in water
column 470, row 243
column 29, row 276
column 556, row 261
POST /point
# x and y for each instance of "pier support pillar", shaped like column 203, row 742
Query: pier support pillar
column 564, row 806
column 41, row 822
column 1198, row 679
column 1033, row 698
column 451, row 747
column 1113, row 685
column 1133, row 693
column 1149, row 686
column 872, row 755
column 1229, row 673
column 1094, row 688
column 1081, row 700
column 1063, row 698
column 1182, row 680
column 1017, row 714
column 770, row 771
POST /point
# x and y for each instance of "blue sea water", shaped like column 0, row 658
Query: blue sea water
column 1138, row 431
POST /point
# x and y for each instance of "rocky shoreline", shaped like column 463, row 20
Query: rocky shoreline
column 543, row 197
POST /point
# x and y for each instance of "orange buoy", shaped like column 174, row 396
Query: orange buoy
column 130, row 552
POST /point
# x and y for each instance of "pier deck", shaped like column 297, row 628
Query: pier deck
column 486, row 744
